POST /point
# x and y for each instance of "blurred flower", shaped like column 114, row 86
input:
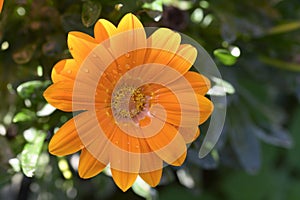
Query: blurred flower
column 139, row 104
column 175, row 18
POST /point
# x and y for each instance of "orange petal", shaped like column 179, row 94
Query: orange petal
column 66, row 140
column 179, row 160
column 184, row 58
column 189, row 134
column 132, row 36
column 163, row 44
column 124, row 180
column 88, row 165
column 63, row 96
column 1, row 5
column 168, row 144
column 191, row 110
column 200, row 83
column 103, row 30
column 64, row 70
column 152, row 178
column 129, row 22
column 124, row 152
column 80, row 45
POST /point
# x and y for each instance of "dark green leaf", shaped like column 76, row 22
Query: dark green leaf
column 91, row 11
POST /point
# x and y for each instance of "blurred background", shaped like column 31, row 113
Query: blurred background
column 256, row 46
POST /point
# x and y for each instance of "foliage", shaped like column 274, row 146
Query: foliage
column 255, row 45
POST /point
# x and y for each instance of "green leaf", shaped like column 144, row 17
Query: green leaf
column 31, row 153
column 31, row 88
column 91, row 11
column 225, row 57
column 281, row 64
column 24, row 116
column 155, row 5
column 141, row 188
column 284, row 28
column 220, row 87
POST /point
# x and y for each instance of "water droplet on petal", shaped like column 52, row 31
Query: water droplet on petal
column 69, row 71
column 117, row 142
column 127, row 66
column 137, row 146
column 127, row 55
column 128, row 143
column 86, row 70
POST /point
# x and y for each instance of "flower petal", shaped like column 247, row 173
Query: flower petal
column 124, row 180
column 189, row 134
column 200, row 83
column 168, row 144
column 184, row 58
column 152, row 178
column 163, row 44
column 180, row 160
column 124, row 152
column 132, row 36
column 64, row 70
column 103, row 30
column 88, row 165
column 1, row 5
column 66, row 140
column 63, row 96
column 184, row 109
column 129, row 22
column 80, row 45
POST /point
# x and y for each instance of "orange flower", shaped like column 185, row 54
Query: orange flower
column 1, row 5
column 140, row 104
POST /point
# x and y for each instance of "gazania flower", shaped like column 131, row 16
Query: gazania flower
column 138, row 104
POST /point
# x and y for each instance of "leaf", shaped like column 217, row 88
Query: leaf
column 225, row 57
column 207, row 162
column 220, row 88
column 276, row 136
column 284, row 28
column 141, row 188
column 32, row 88
column 244, row 142
column 24, row 116
column 280, row 64
column 31, row 152
column 91, row 11
column 156, row 5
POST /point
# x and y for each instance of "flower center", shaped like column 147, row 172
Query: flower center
column 127, row 103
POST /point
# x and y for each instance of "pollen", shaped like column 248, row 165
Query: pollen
column 128, row 102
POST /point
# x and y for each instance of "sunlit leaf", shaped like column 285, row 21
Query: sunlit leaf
column 185, row 178
column 156, row 5
column 31, row 153
column 27, row 89
column 141, row 188
column 24, row 116
column 225, row 57
column 220, row 87
column 46, row 110
column 91, row 11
